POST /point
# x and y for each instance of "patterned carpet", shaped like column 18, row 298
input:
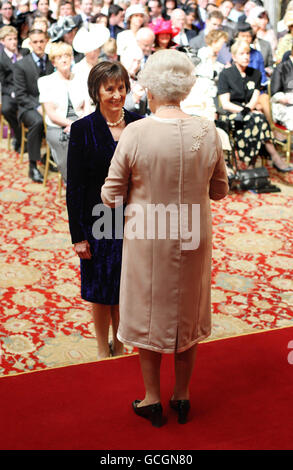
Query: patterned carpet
column 44, row 323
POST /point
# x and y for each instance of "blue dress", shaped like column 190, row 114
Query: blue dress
column 91, row 148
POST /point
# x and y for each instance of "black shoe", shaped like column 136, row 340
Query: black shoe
column 182, row 407
column 152, row 412
column 35, row 175
column 16, row 146
column 283, row 170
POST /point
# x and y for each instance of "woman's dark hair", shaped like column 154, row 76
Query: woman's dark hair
column 103, row 72
column 99, row 15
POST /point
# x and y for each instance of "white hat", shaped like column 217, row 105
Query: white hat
column 134, row 10
column 255, row 13
column 88, row 41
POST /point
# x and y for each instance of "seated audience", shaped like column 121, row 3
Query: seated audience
column 136, row 99
column 145, row 39
column 155, row 11
column 191, row 19
column 214, row 21
column 241, row 10
column 282, row 92
column 259, row 20
column 228, row 25
column 65, row 31
column 285, row 42
column 164, row 34
column 264, row 46
column 134, row 17
column 8, row 57
column 86, row 12
column 7, row 14
column 239, row 89
column 25, row 74
column 100, row 18
column 168, row 7
column 184, row 36
column 110, row 49
column 63, row 101
column 202, row 99
column 88, row 42
column 65, row 8
column 115, row 16
column 43, row 10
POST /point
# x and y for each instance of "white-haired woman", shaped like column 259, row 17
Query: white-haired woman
column 173, row 163
column 63, row 101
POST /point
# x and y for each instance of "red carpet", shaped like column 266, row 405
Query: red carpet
column 241, row 399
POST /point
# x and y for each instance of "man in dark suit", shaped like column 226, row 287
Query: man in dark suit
column 8, row 57
column 115, row 16
column 26, row 74
column 214, row 21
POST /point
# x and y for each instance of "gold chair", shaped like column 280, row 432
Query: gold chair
column 276, row 127
column 3, row 122
column 50, row 160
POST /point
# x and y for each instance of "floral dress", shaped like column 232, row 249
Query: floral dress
column 250, row 134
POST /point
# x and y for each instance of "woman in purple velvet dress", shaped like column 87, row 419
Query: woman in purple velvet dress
column 93, row 140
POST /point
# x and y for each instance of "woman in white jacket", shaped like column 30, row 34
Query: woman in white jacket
column 63, row 102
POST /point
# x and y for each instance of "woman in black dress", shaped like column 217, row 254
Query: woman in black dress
column 93, row 140
column 239, row 89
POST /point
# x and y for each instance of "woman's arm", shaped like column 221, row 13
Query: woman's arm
column 55, row 116
column 253, row 100
column 219, row 186
column 228, row 105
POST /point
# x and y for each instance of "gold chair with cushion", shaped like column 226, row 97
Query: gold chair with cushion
column 49, row 160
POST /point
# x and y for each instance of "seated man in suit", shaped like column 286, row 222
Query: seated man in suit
column 214, row 21
column 115, row 15
column 185, row 36
column 26, row 74
column 8, row 56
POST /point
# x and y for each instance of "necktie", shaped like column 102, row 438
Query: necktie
column 14, row 58
column 42, row 67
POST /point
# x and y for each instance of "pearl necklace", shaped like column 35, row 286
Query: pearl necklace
column 114, row 124
column 167, row 106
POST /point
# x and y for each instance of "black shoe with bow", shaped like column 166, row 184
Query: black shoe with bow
column 152, row 412
column 182, row 407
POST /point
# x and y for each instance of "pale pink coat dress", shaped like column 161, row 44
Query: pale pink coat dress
column 165, row 289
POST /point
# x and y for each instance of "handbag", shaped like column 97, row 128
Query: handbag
column 254, row 179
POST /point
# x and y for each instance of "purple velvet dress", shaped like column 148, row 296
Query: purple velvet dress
column 91, row 148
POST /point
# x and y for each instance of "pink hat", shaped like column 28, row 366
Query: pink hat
column 163, row 27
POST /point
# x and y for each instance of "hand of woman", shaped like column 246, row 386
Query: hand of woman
column 82, row 249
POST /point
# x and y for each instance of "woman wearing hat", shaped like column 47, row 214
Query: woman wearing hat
column 88, row 42
column 135, row 17
column 93, row 140
column 285, row 43
column 164, row 34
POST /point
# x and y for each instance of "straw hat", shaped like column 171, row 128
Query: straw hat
column 92, row 39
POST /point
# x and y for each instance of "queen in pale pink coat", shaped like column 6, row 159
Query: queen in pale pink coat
column 169, row 164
